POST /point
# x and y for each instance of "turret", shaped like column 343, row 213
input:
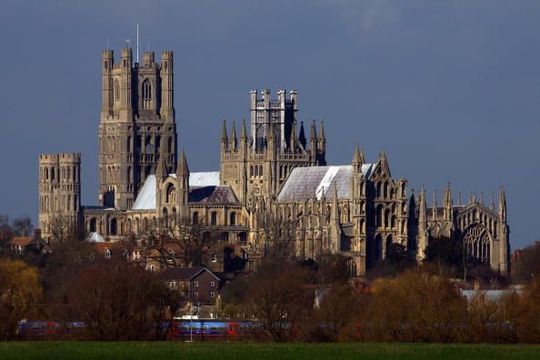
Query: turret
column 294, row 99
column 125, row 105
column 107, row 59
column 167, row 86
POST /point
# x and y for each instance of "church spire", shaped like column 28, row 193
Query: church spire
column 313, row 132
column 224, row 137
column 243, row 133
column 162, row 171
column 233, row 142
column 294, row 139
column 302, row 136
column 182, row 169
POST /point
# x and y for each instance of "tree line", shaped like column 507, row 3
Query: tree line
column 289, row 300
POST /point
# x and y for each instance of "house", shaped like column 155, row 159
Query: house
column 198, row 284
column 22, row 244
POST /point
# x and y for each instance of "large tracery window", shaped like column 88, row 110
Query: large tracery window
column 477, row 244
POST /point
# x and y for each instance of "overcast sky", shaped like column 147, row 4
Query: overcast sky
column 449, row 89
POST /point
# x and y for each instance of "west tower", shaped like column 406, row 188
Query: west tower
column 137, row 119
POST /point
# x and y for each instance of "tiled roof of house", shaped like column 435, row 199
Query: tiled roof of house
column 21, row 241
column 185, row 274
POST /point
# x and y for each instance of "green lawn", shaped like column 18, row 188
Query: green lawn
column 259, row 351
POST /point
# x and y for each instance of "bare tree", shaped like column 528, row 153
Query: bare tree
column 117, row 301
column 176, row 243
column 64, row 228
column 22, row 226
column 277, row 297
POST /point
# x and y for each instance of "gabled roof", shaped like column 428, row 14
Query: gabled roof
column 146, row 199
column 21, row 241
column 185, row 274
column 212, row 195
column 318, row 181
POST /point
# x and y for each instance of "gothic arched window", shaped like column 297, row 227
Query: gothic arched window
column 378, row 218
column 114, row 227
column 93, row 225
column 477, row 244
column 171, row 194
column 116, row 90
column 146, row 94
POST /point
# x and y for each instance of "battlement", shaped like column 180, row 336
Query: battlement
column 166, row 55
column 126, row 54
column 60, row 158
column 148, row 58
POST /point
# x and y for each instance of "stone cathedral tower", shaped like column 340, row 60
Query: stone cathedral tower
column 59, row 194
column 258, row 165
column 137, row 119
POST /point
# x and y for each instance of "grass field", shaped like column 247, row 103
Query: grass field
column 259, row 351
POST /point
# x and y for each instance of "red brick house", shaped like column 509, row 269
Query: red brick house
column 197, row 284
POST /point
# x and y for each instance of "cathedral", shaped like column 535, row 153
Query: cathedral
column 273, row 186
